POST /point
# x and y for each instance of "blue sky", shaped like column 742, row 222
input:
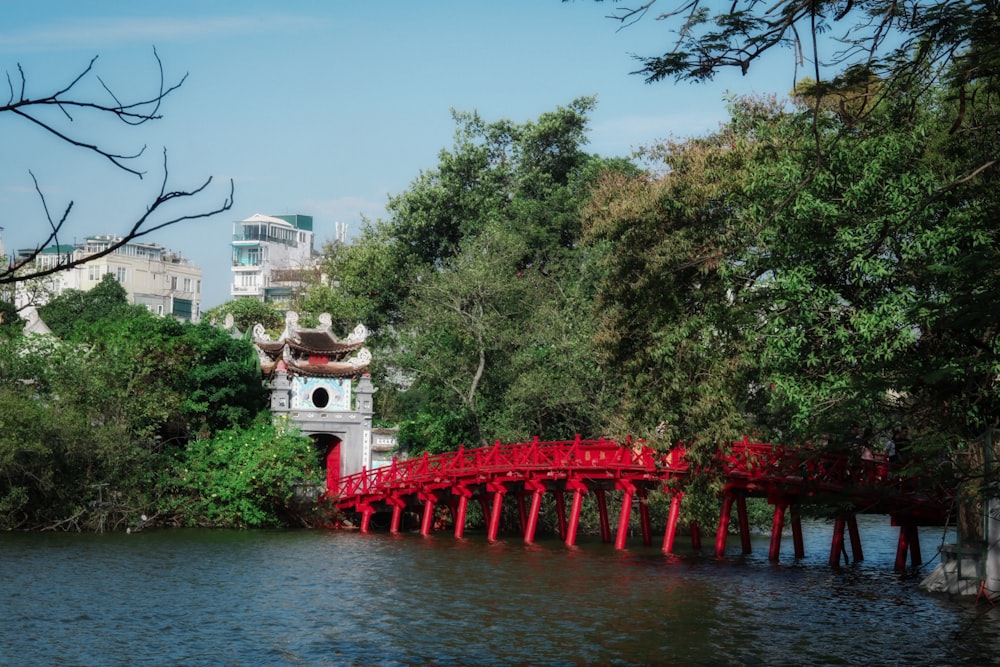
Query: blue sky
column 321, row 108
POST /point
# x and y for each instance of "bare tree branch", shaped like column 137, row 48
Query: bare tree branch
column 139, row 228
column 68, row 104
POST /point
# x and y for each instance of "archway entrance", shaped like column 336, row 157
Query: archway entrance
column 328, row 449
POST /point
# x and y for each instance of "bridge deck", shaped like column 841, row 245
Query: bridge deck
column 785, row 477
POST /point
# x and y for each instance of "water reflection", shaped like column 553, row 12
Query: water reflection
column 320, row 598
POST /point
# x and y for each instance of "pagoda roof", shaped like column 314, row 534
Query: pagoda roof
column 321, row 342
column 335, row 369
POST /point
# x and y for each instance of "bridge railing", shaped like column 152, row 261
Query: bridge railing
column 754, row 461
column 576, row 455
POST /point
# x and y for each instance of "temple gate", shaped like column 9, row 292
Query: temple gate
column 320, row 384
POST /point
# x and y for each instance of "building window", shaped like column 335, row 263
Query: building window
column 121, row 274
column 173, row 282
column 94, row 272
column 197, row 286
column 159, row 309
column 187, row 284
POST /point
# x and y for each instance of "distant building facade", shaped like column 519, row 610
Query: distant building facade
column 153, row 276
column 272, row 256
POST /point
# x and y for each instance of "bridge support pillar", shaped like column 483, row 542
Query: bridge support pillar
column 909, row 540
column 852, row 529
column 579, row 488
column 723, row 531
column 461, row 509
column 397, row 513
column 741, row 513
column 493, row 528
column 537, row 491
column 695, row 536
column 800, row 550
column 522, row 513
column 628, row 491
column 837, row 543
column 366, row 516
column 602, row 510
column 427, row 520
column 777, row 526
column 672, row 517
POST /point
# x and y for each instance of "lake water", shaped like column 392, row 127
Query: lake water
column 192, row 597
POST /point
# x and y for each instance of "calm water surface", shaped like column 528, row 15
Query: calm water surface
column 337, row 598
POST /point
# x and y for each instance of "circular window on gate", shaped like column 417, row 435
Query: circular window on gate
column 320, row 397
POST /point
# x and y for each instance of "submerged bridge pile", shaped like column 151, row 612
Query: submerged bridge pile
column 786, row 478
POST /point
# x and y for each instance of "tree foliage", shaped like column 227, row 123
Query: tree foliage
column 478, row 290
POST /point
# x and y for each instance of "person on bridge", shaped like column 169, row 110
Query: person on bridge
column 901, row 441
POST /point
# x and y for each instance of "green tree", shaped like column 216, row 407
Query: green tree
column 240, row 478
column 75, row 310
column 476, row 258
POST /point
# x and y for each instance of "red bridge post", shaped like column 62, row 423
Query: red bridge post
column 463, row 505
column 427, row 521
column 647, row 530
column 499, row 491
column 579, row 488
column 671, row 532
column 777, row 526
column 538, row 490
column 852, row 529
column 837, row 543
column 800, row 550
column 741, row 513
column 397, row 512
column 628, row 489
column 723, row 531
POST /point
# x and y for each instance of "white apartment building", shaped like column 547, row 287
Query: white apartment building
column 270, row 254
column 154, row 277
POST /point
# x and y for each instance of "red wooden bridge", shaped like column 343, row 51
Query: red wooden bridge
column 787, row 478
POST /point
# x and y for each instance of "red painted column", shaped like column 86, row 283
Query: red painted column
column 494, row 525
column 695, row 536
column 741, row 513
column 574, row 514
column 427, row 521
column 647, row 528
column 602, row 510
column 852, row 529
column 463, row 503
column 366, row 516
column 800, row 550
column 671, row 532
column 621, row 537
column 561, row 512
column 538, row 490
column 901, row 548
column 723, row 531
column 837, row 543
column 397, row 517
column 777, row 526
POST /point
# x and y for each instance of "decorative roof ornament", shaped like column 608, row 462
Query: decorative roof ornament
column 313, row 351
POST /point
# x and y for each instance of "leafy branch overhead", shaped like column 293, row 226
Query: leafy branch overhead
column 64, row 114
